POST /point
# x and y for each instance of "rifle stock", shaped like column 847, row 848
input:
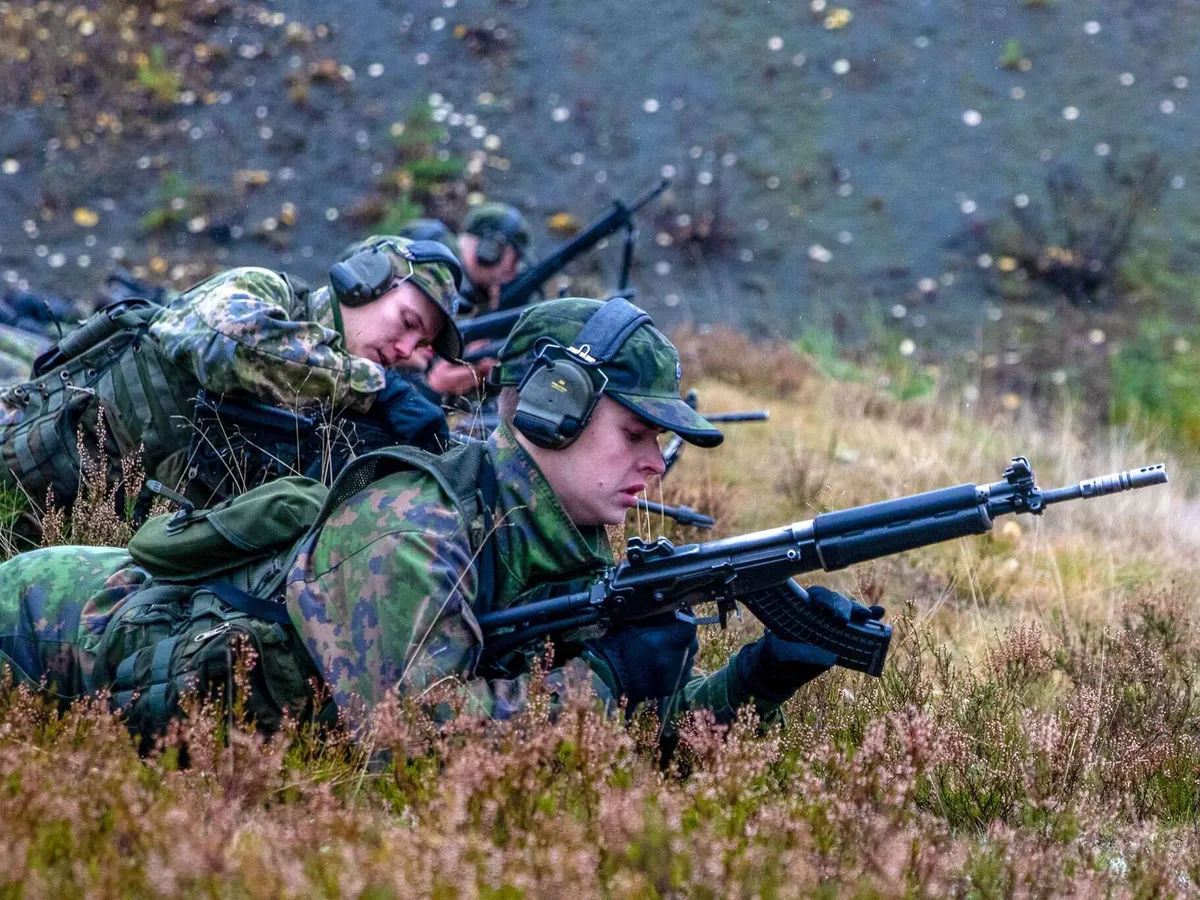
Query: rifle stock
column 756, row 569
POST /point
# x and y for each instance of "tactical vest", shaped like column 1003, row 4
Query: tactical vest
column 180, row 631
column 109, row 362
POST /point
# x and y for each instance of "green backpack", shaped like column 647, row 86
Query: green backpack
column 218, row 577
column 111, row 361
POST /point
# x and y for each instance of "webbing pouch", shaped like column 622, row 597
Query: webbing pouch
column 196, row 544
column 199, row 655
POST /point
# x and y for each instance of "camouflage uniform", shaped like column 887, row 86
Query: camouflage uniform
column 244, row 330
column 385, row 593
column 365, row 635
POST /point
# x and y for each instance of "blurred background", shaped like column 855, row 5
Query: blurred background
column 995, row 195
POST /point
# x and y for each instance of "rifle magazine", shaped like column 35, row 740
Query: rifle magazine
column 787, row 611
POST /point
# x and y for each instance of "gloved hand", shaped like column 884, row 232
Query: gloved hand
column 772, row 668
column 840, row 606
column 649, row 659
column 412, row 418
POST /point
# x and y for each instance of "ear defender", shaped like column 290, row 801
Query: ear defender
column 558, row 394
column 493, row 242
column 489, row 251
column 363, row 277
column 556, row 399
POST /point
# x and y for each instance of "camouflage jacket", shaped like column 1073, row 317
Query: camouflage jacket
column 383, row 595
column 246, row 329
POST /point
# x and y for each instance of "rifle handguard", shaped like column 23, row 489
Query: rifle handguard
column 787, row 611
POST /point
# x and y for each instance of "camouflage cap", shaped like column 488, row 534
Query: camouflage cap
column 643, row 375
column 436, row 278
column 500, row 220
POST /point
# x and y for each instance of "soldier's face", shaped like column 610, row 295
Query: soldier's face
column 394, row 327
column 598, row 478
column 487, row 277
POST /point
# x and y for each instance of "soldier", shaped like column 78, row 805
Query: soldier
column 249, row 333
column 492, row 244
column 383, row 594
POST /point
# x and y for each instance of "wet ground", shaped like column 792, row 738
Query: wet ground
column 833, row 165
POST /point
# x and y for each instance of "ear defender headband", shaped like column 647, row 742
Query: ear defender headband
column 490, row 248
column 557, row 396
column 369, row 274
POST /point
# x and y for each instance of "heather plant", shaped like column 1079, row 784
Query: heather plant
column 1033, row 734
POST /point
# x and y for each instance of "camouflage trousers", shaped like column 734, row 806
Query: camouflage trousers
column 54, row 606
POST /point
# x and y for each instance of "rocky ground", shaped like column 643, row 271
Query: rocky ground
column 843, row 168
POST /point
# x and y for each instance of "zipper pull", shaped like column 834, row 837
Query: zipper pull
column 212, row 632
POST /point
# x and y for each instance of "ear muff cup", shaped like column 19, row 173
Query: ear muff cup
column 361, row 278
column 556, row 399
column 489, row 251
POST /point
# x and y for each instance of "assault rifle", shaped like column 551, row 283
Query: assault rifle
column 756, row 569
column 520, row 290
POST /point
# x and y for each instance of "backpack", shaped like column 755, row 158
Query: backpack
column 218, row 575
column 108, row 360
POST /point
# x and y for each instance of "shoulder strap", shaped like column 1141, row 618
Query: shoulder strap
column 131, row 315
column 464, row 472
column 248, row 603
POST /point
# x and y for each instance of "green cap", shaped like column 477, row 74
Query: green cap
column 499, row 220
column 642, row 376
column 434, row 278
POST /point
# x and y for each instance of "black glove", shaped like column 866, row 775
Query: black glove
column 410, row 417
column 651, row 658
column 773, row 669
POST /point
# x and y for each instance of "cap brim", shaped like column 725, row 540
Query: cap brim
column 449, row 342
column 672, row 414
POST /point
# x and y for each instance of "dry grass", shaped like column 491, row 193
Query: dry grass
column 1034, row 734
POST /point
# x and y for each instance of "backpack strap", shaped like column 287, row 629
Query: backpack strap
column 487, row 559
column 248, row 603
column 465, row 472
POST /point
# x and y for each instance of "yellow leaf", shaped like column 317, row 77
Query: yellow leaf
column 563, row 225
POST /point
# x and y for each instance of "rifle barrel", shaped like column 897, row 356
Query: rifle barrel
column 1116, row 483
column 684, row 515
column 758, row 415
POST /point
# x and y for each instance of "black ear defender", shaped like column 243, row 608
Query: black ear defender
column 559, row 393
column 492, row 243
column 368, row 274
column 364, row 277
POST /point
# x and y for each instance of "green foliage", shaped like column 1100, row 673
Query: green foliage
column 400, row 213
column 171, row 204
column 425, row 173
column 1155, row 381
column 156, row 76
column 823, row 346
column 12, row 504
column 881, row 362
column 1012, row 55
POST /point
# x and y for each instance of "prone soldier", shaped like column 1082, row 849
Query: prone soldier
column 247, row 331
column 384, row 591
